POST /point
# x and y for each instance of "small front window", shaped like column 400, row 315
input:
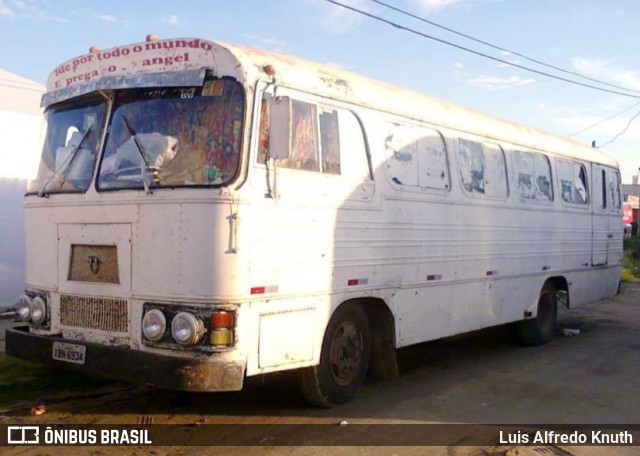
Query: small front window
column 173, row 137
column 70, row 147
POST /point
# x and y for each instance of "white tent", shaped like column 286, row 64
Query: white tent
column 20, row 139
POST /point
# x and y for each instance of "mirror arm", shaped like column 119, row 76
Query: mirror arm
column 270, row 193
column 275, row 179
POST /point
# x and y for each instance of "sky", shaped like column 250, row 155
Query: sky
column 593, row 38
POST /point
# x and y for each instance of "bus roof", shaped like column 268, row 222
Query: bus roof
column 184, row 61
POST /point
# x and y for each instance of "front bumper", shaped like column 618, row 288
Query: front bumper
column 129, row 365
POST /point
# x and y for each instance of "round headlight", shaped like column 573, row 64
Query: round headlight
column 187, row 329
column 154, row 325
column 24, row 307
column 38, row 310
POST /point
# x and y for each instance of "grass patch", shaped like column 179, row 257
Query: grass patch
column 25, row 381
column 631, row 260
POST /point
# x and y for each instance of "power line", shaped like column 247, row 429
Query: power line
column 409, row 14
column 635, row 116
column 496, row 59
column 600, row 122
column 499, row 48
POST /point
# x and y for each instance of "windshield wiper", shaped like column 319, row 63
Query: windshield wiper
column 143, row 155
column 61, row 173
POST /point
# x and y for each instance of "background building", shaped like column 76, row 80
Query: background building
column 20, row 139
column 631, row 198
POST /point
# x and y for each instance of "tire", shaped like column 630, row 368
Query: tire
column 540, row 330
column 344, row 360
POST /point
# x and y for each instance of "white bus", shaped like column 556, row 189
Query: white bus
column 207, row 212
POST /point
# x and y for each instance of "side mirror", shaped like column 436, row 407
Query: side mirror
column 280, row 127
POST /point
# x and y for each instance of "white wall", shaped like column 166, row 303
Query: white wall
column 20, row 140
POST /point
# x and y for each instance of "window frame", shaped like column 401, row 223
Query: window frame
column 319, row 105
column 245, row 122
column 39, row 183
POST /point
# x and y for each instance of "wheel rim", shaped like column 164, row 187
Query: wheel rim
column 346, row 353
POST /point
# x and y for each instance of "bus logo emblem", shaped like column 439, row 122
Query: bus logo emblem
column 94, row 263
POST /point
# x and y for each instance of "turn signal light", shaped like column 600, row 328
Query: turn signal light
column 223, row 319
column 222, row 328
column 222, row 337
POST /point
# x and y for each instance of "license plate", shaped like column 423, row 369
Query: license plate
column 70, row 353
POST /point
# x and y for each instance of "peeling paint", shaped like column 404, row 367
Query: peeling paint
column 118, row 342
column 75, row 336
column 341, row 85
column 402, row 157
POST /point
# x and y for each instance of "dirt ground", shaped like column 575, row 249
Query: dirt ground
column 592, row 377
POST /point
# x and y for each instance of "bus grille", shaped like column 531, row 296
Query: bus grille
column 105, row 314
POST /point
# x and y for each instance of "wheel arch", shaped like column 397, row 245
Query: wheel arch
column 561, row 285
column 383, row 362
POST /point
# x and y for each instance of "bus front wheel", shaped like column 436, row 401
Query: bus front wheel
column 542, row 328
column 344, row 360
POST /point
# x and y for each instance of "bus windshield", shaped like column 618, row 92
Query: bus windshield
column 70, row 147
column 172, row 137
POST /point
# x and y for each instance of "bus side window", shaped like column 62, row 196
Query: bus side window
column 482, row 168
column 316, row 142
column 432, row 162
column 471, row 165
column 544, row 189
column 573, row 182
column 416, row 157
column 402, row 155
column 263, row 134
column 580, row 184
column 353, row 162
column 329, row 141
column 599, row 186
column 534, row 176
column 495, row 176
column 304, row 143
column 614, row 188
column 525, row 172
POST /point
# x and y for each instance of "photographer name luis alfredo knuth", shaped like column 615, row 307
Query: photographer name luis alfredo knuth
column 592, row 437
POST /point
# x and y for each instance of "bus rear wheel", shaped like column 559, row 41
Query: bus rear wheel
column 344, row 360
column 540, row 330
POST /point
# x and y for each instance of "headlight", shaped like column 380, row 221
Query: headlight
column 186, row 329
column 38, row 310
column 24, row 307
column 154, row 325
